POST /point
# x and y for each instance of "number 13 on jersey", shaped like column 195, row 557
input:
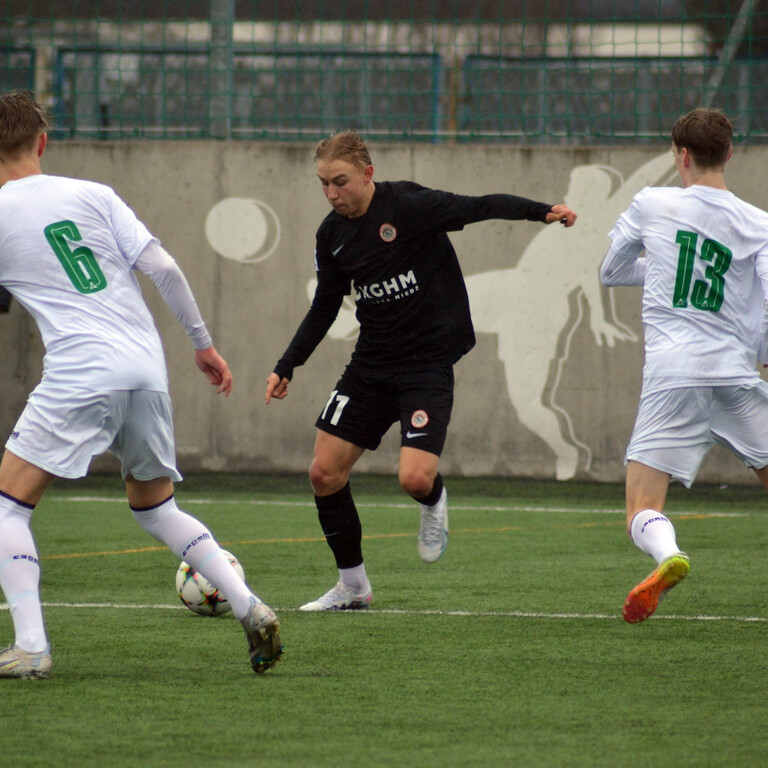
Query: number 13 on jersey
column 706, row 294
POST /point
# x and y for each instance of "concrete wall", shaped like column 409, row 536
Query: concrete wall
column 551, row 389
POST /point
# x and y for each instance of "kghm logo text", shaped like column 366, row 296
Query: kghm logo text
column 393, row 289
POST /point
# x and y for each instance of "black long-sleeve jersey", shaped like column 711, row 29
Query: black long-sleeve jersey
column 411, row 299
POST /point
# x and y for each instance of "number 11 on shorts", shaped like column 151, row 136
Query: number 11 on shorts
column 341, row 401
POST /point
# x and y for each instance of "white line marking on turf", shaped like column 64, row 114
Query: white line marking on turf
column 310, row 504
column 537, row 615
column 464, row 508
column 429, row 612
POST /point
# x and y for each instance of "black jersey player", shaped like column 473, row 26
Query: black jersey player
column 388, row 241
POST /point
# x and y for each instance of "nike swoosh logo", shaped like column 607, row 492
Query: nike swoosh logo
column 335, row 252
column 410, row 434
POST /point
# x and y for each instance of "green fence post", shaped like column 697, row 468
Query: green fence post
column 220, row 69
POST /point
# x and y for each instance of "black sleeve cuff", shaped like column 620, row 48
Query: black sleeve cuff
column 284, row 371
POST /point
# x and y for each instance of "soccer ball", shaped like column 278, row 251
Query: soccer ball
column 198, row 594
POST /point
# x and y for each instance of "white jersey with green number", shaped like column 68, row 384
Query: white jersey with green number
column 705, row 254
column 67, row 248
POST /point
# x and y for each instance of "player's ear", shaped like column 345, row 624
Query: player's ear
column 368, row 173
column 42, row 143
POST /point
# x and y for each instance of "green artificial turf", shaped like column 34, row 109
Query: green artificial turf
column 509, row 651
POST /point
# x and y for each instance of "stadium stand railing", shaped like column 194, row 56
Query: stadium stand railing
column 554, row 72
column 164, row 92
column 601, row 100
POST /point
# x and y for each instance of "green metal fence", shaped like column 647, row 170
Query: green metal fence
column 602, row 100
column 151, row 91
column 17, row 66
column 554, row 71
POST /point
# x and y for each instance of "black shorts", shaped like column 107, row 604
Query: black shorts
column 365, row 403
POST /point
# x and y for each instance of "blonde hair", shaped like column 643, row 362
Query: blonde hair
column 344, row 145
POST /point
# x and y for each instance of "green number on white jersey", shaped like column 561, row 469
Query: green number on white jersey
column 80, row 264
column 706, row 294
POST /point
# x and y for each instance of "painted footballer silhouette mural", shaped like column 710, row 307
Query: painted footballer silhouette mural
column 548, row 287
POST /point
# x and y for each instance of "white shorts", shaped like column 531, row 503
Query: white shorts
column 61, row 430
column 675, row 427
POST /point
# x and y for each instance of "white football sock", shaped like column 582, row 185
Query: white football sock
column 654, row 534
column 20, row 575
column 355, row 578
column 192, row 542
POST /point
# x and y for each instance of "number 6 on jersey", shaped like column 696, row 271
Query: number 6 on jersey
column 79, row 264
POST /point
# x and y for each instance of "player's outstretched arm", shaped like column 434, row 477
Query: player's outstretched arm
column 276, row 387
column 561, row 213
column 215, row 368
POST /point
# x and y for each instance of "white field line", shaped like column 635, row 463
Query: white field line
column 499, row 614
column 512, row 507
column 427, row 612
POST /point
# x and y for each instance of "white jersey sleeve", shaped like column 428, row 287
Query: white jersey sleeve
column 623, row 267
column 623, row 264
column 161, row 268
column 762, row 272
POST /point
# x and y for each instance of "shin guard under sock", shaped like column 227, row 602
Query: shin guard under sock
column 341, row 525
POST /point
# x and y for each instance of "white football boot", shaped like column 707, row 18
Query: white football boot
column 433, row 531
column 15, row 662
column 341, row 598
column 262, row 630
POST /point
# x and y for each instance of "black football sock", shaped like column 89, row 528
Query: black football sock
column 341, row 525
column 434, row 495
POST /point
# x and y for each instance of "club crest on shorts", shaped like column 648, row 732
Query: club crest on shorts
column 387, row 233
column 419, row 419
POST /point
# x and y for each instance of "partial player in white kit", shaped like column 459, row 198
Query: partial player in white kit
column 705, row 277
column 68, row 249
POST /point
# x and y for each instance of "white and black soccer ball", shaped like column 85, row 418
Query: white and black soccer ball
column 198, row 594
